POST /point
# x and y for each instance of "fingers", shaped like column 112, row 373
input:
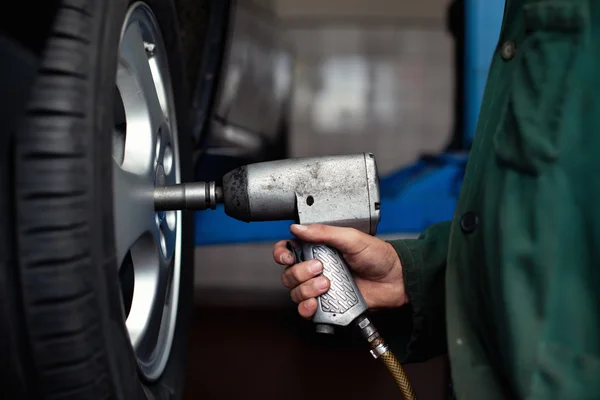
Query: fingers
column 281, row 254
column 310, row 289
column 305, row 285
column 347, row 240
column 303, row 279
column 301, row 273
column 307, row 308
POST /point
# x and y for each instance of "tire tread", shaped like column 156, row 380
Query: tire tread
column 79, row 349
column 54, row 235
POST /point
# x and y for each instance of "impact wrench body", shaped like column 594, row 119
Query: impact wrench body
column 333, row 190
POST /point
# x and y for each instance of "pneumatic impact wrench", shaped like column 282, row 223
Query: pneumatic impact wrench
column 333, row 190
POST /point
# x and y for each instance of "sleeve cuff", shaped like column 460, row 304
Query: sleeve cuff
column 414, row 290
column 419, row 329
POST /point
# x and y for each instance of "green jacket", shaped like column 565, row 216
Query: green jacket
column 511, row 287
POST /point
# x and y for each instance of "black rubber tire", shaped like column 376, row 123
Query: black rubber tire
column 66, row 300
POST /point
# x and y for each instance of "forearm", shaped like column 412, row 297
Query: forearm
column 420, row 334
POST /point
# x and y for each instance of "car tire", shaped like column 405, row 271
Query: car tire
column 60, row 278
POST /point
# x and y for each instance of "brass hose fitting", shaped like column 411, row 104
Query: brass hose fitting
column 379, row 349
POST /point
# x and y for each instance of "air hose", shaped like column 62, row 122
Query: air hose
column 380, row 350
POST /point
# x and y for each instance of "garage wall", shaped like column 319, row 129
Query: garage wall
column 291, row 11
column 371, row 75
column 386, row 90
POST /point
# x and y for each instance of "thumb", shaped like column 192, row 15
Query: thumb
column 347, row 240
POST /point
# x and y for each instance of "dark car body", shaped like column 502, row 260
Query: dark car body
column 242, row 102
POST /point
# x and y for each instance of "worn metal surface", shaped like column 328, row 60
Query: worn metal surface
column 334, row 190
column 187, row 196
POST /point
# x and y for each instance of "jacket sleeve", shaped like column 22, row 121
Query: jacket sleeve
column 418, row 332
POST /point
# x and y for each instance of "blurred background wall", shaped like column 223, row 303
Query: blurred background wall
column 383, row 87
column 427, row 10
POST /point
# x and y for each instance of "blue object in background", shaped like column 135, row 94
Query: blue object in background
column 483, row 21
column 422, row 194
column 215, row 227
column 417, row 195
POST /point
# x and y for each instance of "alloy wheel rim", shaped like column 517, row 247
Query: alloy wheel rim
column 146, row 154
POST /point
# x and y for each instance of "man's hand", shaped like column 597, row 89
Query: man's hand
column 375, row 264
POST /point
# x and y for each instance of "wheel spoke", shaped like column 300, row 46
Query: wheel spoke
column 145, row 115
column 134, row 206
column 167, row 229
column 147, row 307
column 137, row 59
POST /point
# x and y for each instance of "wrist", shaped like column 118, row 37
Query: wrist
column 387, row 292
column 396, row 278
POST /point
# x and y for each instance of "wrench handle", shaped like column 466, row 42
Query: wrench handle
column 343, row 302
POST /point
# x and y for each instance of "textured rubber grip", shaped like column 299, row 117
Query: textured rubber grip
column 343, row 302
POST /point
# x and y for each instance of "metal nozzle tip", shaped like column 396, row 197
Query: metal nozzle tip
column 187, row 196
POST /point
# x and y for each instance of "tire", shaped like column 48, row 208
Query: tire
column 65, row 302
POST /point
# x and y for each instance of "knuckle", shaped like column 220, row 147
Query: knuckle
column 296, row 274
column 321, row 229
column 285, row 281
column 304, row 292
column 295, row 295
column 321, row 286
column 356, row 239
column 308, row 271
column 309, row 290
column 351, row 233
column 299, row 272
column 280, row 246
column 315, row 229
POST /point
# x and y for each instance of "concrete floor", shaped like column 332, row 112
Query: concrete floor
column 272, row 354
